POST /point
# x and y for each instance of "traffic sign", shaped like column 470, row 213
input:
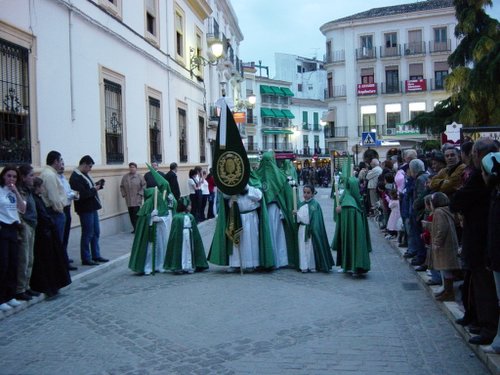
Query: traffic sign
column 369, row 139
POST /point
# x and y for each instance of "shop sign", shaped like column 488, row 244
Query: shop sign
column 367, row 88
column 414, row 85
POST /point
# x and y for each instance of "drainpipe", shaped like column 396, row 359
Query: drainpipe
column 71, row 85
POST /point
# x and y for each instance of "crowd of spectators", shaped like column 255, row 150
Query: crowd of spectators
column 443, row 205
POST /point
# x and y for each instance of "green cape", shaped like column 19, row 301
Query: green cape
column 222, row 247
column 352, row 236
column 277, row 189
column 290, row 170
column 173, row 258
column 316, row 230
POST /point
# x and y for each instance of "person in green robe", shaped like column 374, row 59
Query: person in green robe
column 185, row 251
column 314, row 249
column 153, row 227
column 290, row 170
column 222, row 248
column 352, row 236
column 278, row 198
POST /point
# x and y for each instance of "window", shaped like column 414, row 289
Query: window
column 367, row 75
column 317, row 149
column 201, row 128
column 367, row 41
column 329, row 81
column 392, row 79
column 393, row 118
column 152, row 20
column 299, row 69
column 329, row 51
column 369, row 120
column 391, row 40
column 182, row 124
column 114, row 7
column 251, row 146
column 154, row 120
column 416, row 71
column 316, row 120
column 15, row 138
column 415, row 44
column 179, row 33
column 440, row 39
column 305, row 142
column 113, row 119
column 416, row 109
column 440, row 73
column 299, row 87
column 305, row 120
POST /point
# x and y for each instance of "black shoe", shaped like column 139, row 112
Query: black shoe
column 89, row 263
column 72, row 268
column 32, row 293
column 421, row 268
column 404, row 244
column 475, row 330
column 432, row 282
column 408, row 255
column 481, row 340
column 100, row 259
column 23, row 296
column 463, row 321
column 416, row 262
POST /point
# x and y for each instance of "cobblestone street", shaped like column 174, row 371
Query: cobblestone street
column 283, row 322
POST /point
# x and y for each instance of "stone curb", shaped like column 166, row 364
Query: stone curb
column 453, row 311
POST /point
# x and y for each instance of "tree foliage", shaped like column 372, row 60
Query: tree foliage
column 474, row 83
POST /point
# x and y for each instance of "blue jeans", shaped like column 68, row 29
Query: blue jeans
column 59, row 219
column 89, row 242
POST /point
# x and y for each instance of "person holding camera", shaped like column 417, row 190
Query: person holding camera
column 86, row 207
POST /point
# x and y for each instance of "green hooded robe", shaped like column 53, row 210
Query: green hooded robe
column 276, row 188
column 222, row 247
column 173, row 258
column 352, row 236
column 316, row 231
column 144, row 232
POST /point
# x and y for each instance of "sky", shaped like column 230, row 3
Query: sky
column 292, row 26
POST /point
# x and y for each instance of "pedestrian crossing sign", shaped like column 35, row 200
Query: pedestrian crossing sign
column 369, row 139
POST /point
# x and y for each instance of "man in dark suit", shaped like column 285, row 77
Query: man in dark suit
column 150, row 180
column 171, row 177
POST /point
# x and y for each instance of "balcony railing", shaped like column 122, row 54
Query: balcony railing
column 335, row 57
column 390, row 51
column 436, row 85
column 365, row 53
column 336, row 91
column 439, row 46
column 379, row 129
column 394, row 88
column 278, row 146
column 252, row 147
column 414, row 48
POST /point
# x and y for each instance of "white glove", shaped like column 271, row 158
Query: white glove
column 156, row 219
column 171, row 197
column 154, row 213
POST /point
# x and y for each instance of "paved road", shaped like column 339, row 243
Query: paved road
column 285, row 322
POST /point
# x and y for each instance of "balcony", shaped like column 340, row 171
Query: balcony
column 390, row 51
column 336, row 132
column 366, row 53
column 415, row 48
column 392, row 88
column 437, row 46
column 278, row 146
column 336, row 92
column 436, row 85
column 335, row 57
column 379, row 129
column 252, row 147
column 367, row 89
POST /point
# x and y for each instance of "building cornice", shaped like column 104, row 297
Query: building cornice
column 201, row 8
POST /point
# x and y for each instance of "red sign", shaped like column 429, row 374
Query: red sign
column 367, row 89
column 413, row 85
column 284, row 155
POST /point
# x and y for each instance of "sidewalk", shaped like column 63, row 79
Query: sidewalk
column 453, row 311
column 116, row 248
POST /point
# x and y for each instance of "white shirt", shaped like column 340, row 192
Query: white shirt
column 8, row 206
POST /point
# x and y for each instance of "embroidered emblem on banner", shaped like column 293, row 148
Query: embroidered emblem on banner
column 230, row 168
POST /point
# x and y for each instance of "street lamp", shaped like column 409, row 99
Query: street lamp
column 198, row 61
column 252, row 99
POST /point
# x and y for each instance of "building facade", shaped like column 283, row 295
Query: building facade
column 385, row 66
column 116, row 80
